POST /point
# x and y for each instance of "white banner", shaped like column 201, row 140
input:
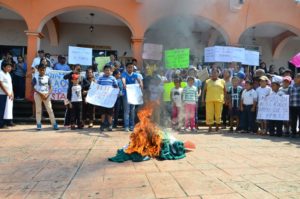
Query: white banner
column 152, row 51
column 79, row 55
column 274, row 107
column 134, row 94
column 251, row 58
column 224, row 54
column 105, row 96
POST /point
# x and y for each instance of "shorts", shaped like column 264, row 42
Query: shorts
column 234, row 112
column 106, row 111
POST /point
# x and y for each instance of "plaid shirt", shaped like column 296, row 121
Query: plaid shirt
column 294, row 93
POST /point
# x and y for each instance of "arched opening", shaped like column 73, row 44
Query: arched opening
column 188, row 31
column 276, row 42
column 12, row 36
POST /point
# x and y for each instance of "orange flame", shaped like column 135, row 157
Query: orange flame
column 146, row 138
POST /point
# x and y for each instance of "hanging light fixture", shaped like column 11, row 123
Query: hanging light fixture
column 92, row 22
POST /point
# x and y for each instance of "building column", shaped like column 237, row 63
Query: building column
column 137, row 50
column 33, row 43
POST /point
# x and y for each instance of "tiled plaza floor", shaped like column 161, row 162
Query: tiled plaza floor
column 73, row 164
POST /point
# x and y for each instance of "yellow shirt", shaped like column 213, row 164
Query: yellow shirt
column 215, row 90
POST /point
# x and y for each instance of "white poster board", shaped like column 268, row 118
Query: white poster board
column 104, row 96
column 251, row 58
column 224, row 54
column 79, row 55
column 274, row 107
column 203, row 75
column 134, row 94
column 152, row 51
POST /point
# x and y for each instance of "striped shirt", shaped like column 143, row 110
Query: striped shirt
column 294, row 93
column 190, row 95
column 108, row 81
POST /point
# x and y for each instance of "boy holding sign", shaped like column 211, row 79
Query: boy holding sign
column 107, row 80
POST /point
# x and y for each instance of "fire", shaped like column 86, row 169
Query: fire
column 146, row 138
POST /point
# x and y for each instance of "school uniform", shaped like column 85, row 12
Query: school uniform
column 249, row 97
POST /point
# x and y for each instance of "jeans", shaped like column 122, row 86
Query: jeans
column 129, row 113
column 3, row 99
column 19, row 86
column 294, row 117
column 67, row 121
column 248, row 118
column 225, row 114
column 117, row 109
column 88, row 112
column 76, row 113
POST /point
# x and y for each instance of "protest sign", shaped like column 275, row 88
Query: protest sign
column 177, row 58
column 152, row 51
column 79, row 55
column 101, row 61
column 203, row 75
column 167, row 90
column 59, row 84
column 134, row 94
column 251, row 58
column 224, row 54
column 104, row 96
column 274, row 107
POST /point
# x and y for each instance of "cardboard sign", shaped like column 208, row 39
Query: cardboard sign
column 224, row 54
column 59, row 84
column 134, row 94
column 79, row 55
column 274, row 107
column 152, row 51
column 203, row 75
column 177, row 58
column 104, row 96
column 251, row 58
column 101, row 61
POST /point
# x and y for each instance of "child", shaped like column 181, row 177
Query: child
column 273, row 123
column 190, row 99
column 6, row 93
column 263, row 91
column 234, row 96
column 227, row 78
column 42, row 90
column 75, row 98
column 117, row 107
column 294, row 92
column 107, row 80
column 156, row 89
column 286, row 82
column 88, row 110
column 176, row 99
column 248, row 107
column 129, row 77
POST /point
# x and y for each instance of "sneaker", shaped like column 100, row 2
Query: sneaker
column 39, row 127
column 131, row 129
column 126, row 129
column 101, row 128
column 55, row 127
column 110, row 128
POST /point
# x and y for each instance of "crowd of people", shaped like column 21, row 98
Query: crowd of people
column 230, row 96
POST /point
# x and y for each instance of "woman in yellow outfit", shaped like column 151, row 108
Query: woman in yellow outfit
column 214, row 95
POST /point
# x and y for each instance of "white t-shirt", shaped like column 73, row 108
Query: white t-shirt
column 42, row 84
column 5, row 79
column 176, row 95
column 249, row 97
column 263, row 92
column 76, row 94
column 36, row 62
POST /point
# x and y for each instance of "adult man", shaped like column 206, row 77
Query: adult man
column 61, row 65
column 37, row 60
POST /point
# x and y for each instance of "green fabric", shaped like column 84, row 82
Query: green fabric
column 121, row 156
column 173, row 151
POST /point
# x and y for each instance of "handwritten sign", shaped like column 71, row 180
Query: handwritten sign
column 203, row 75
column 251, row 58
column 134, row 94
column 59, row 84
column 152, row 51
column 274, row 107
column 177, row 58
column 104, row 96
column 224, row 54
column 101, row 61
column 78, row 55
column 167, row 90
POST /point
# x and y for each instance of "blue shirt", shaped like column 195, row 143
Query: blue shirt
column 108, row 81
column 64, row 67
column 130, row 79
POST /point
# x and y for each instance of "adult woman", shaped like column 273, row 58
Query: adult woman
column 214, row 95
column 19, row 78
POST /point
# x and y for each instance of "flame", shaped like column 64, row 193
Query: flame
column 146, row 138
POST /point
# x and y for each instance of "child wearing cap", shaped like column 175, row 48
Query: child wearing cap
column 294, row 93
column 248, row 107
column 262, row 91
column 75, row 98
column 42, row 89
column 190, row 99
